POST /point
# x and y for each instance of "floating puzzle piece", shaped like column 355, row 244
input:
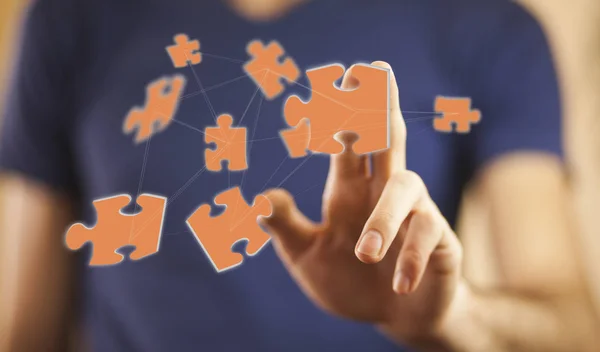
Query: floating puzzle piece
column 230, row 145
column 363, row 110
column 162, row 100
column 184, row 51
column 455, row 111
column 216, row 235
column 296, row 139
column 114, row 230
column 268, row 59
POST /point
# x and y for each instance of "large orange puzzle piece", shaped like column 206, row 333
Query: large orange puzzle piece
column 114, row 230
column 363, row 110
column 296, row 139
column 269, row 58
column 230, row 145
column 162, row 100
column 457, row 112
column 216, row 235
column 184, row 51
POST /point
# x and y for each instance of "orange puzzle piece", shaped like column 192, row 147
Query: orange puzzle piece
column 216, row 235
column 363, row 110
column 457, row 112
column 159, row 109
column 114, row 230
column 297, row 138
column 184, row 51
column 268, row 58
column 230, row 145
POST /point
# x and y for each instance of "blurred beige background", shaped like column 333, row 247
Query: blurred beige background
column 573, row 28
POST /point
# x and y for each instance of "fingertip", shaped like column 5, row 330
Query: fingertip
column 381, row 64
column 278, row 197
column 260, row 219
column 367, row 259
column 384, row 65
column 369, row 247
column 401, row 283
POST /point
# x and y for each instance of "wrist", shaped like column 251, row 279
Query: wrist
column 450, row 332
column 460, row 315
column 464, row 329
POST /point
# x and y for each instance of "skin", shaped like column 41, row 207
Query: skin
column 384, row 254
column 36, row 269
column 412, row 289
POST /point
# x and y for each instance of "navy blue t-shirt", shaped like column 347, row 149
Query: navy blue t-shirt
column 84, row 64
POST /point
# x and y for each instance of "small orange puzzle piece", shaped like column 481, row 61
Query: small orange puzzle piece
column 216, row 235
column 162, row 100
column 457, row 112
column 114, row 230
column 297, row 138
column 230, row 145
column 363, row 110
column 268, row 58
column 184, row 51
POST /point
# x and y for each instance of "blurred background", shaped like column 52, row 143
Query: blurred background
column 573, row 28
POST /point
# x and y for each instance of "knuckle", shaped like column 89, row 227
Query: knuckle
column 398, row 179
column 414, row 255
column 428, row 220
column 457, row 249
column 413, row 260
column 408, row 179
column 413, row 179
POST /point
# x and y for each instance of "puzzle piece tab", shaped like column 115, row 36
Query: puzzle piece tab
column 162, row 101
column 230, row 145
column 363, row 110
column 266, row 68
column 296, row 139
column 114, row 229
column 457, row 112
column 184, row 51
column 216, row 235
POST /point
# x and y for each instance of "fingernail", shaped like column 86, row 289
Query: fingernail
column 401, row 283
column 370, row 244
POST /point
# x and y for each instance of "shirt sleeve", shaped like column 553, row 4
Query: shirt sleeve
column 34, row 137
column 514, row 85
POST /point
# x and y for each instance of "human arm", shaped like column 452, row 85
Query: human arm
column 38, row 185
column 406, row 276
column 37, row 271
column 541, row 302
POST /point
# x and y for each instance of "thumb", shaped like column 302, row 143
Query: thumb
column 291, row 231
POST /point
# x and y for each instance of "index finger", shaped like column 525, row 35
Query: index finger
column 392, row 159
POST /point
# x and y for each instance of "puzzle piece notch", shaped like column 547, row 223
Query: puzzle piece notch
column 184, row 51
column 363, row 110
column 268, row 67
column 217, row 235
column 457, row 112
column 296, row 139
column 162, row 101
column 230, row 145
column 115, row 230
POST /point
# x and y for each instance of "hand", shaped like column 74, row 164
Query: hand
column 384, row 253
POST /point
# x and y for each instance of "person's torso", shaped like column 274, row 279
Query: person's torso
column 174, row 300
